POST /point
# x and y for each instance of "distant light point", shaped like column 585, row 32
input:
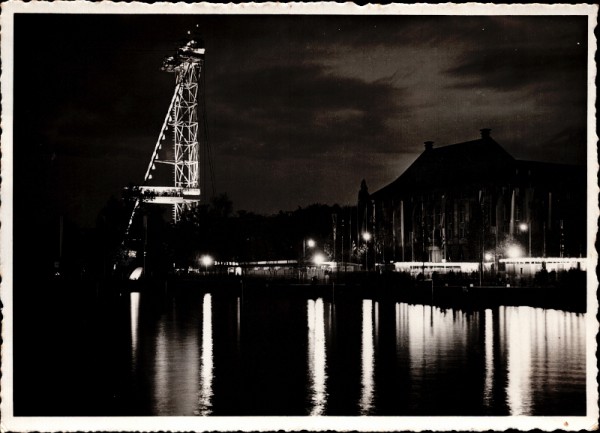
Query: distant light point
column 319, row 259
column 513, row 252
column 206, row 260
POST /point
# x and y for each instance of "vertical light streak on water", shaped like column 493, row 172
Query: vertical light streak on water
column 310, row 312
column 206, row 369
column 416, row 331
column 489, row 359
column 402, row 328
column 134, row 315
column 538, row 346
column 518, row 389
column 366, row 401
column 398, row 333
column 239, row 323
column 546, row 355
column 436, row 342
column 558, row 361
column 161, row 369
column 320, row 357
column 376, row 323
column 317, row 358
column 175, row 368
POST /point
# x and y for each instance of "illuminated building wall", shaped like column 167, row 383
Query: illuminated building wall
column 458, row 202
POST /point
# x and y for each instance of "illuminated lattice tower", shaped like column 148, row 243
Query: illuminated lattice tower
column 182, row 119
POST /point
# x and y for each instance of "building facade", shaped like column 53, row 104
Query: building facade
column 474, row 202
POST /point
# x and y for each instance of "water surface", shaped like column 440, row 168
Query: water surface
column 194, row 353
column 207, row 354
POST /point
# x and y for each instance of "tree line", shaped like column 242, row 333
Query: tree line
column 214, row 229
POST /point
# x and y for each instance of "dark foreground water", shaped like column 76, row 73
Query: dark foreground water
column 197, row 353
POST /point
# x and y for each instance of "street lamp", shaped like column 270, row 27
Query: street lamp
column 489, row 257
column 514, row 251
column 319, row 259
column 207, row 261
column 524, row 227
column 311, row 244
column 366, row 237
column 307, row 242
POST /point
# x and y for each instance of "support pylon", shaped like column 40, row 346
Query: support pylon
column 182, row 118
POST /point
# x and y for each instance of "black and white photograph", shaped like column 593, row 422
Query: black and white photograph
column 298, row 217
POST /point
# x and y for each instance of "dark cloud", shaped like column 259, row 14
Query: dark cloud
column 508, row 68
column 512, row 53
column 301, row 110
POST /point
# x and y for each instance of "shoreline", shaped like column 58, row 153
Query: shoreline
column 378, row 287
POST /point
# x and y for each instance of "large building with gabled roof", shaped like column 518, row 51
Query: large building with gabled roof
column 463, row 201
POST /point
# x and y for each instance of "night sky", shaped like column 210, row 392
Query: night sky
column 300, row 108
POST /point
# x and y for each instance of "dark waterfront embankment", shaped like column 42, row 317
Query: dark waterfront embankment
column 567, row 293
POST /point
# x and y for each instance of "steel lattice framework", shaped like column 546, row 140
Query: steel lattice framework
column 182, row 118
column 184, row 121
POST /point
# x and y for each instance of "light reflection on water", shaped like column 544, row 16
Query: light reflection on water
column 183, row 370
column 401, row 326
column 546, row 353
column 540, row 352
column 436, row 342
column 505, row 361
column 206, row 392
column 317, row 357
column 238, row 322
column 519, row 336
column 368, row 358
column 134, row 300
column 489, row 358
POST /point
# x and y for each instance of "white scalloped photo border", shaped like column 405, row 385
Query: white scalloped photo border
column 391, row 423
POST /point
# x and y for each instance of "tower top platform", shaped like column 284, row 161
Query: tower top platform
column 191, row 52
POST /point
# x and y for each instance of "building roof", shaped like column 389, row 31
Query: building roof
column 479, row 161
column 474, row 164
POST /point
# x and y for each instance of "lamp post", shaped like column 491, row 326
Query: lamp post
column 307, row 242
column 311, row 244
column 318, row 260
column 366, row 237
column 488, row 258
column 338, row 268
column 530, row 230
column 524, row 227
column 207, row 261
